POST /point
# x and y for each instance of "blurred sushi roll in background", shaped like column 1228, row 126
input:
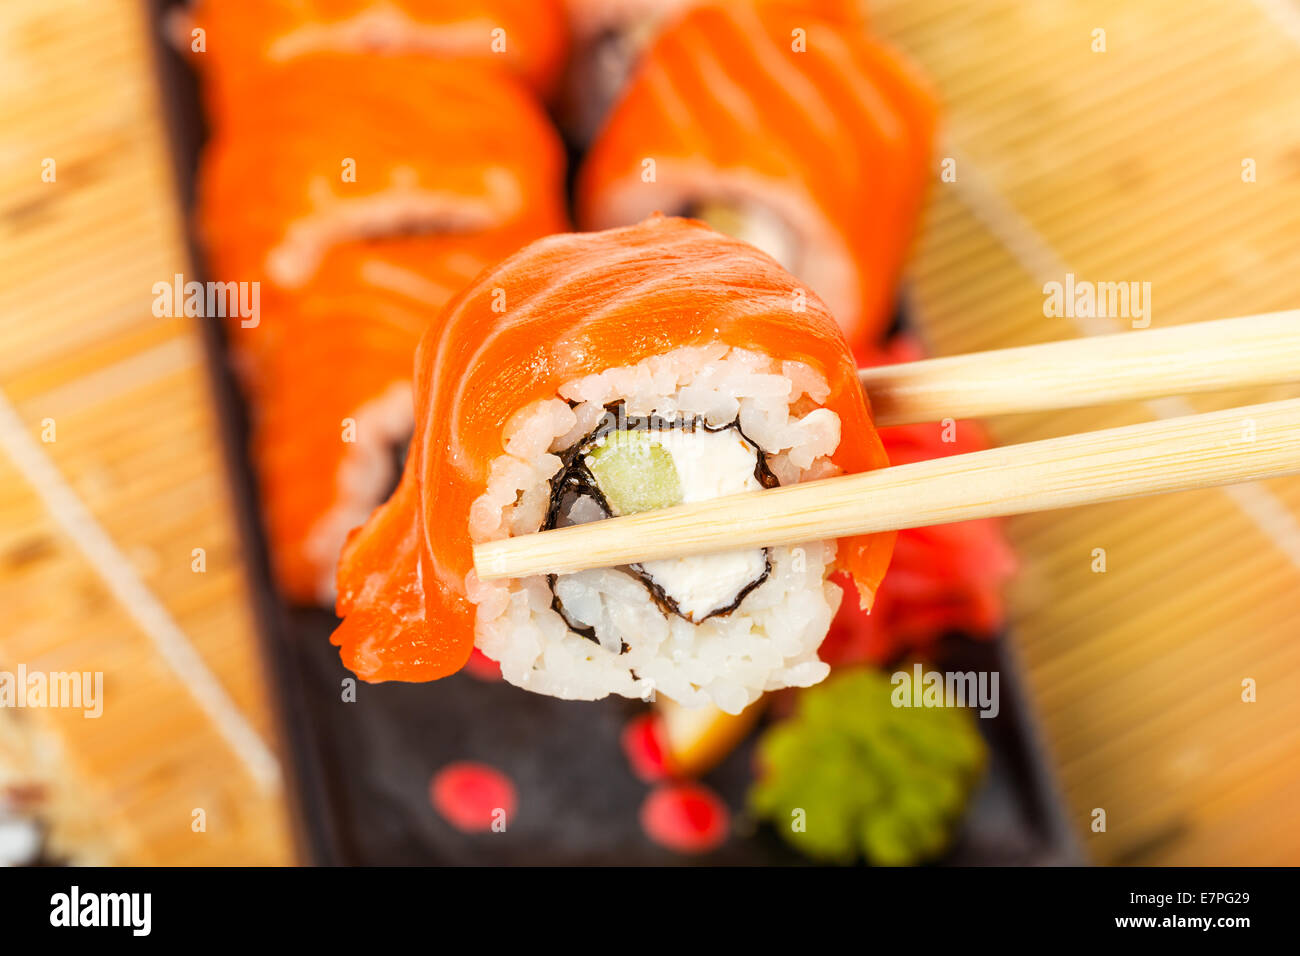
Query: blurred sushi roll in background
column 629, row 370
column 610, row 36
column 413, row 146
column 242, row 38
column 781, row 127
column 333, row 413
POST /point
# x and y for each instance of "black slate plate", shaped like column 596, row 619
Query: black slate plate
column 360, row 771
column 578, row 798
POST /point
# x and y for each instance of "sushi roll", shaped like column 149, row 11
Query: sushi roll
column 330, row 387
column 609, row 37
column 794, row 132
column 412, row 146
column 278, row 192
column 593, row 375
column 242, row 39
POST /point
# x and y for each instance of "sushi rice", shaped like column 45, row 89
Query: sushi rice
column 634, row 645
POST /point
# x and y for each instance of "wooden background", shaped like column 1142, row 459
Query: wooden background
column 1126, row 165
column 1122, row 165
column 136, row 442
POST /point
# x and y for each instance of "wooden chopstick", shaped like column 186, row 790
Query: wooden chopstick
column 1198, row 357
column 1176, row 454
column 1196, row 451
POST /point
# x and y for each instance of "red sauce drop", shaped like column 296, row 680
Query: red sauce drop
column 686, row 818
column 482, row 667
column 472, row 796
column 644, row 748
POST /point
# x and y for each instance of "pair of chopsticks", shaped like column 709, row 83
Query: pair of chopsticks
column 1176, row 454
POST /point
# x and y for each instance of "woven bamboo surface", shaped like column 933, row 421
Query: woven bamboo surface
column 1126, row 165
column 135, row 439
column 1123, row 165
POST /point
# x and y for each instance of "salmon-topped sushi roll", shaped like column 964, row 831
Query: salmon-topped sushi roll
column 330, row 392
column 609, row 37
column 790, row 131
column 410, row 146
column 241, row 39
column 596, row 375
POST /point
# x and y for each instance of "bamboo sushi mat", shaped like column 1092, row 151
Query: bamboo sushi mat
column 1126, row 165
column 1123, row 165
column 96, row 571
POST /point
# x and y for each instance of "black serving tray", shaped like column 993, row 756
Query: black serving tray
column 359, row 772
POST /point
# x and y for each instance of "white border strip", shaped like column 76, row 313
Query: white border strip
column 149, row 613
